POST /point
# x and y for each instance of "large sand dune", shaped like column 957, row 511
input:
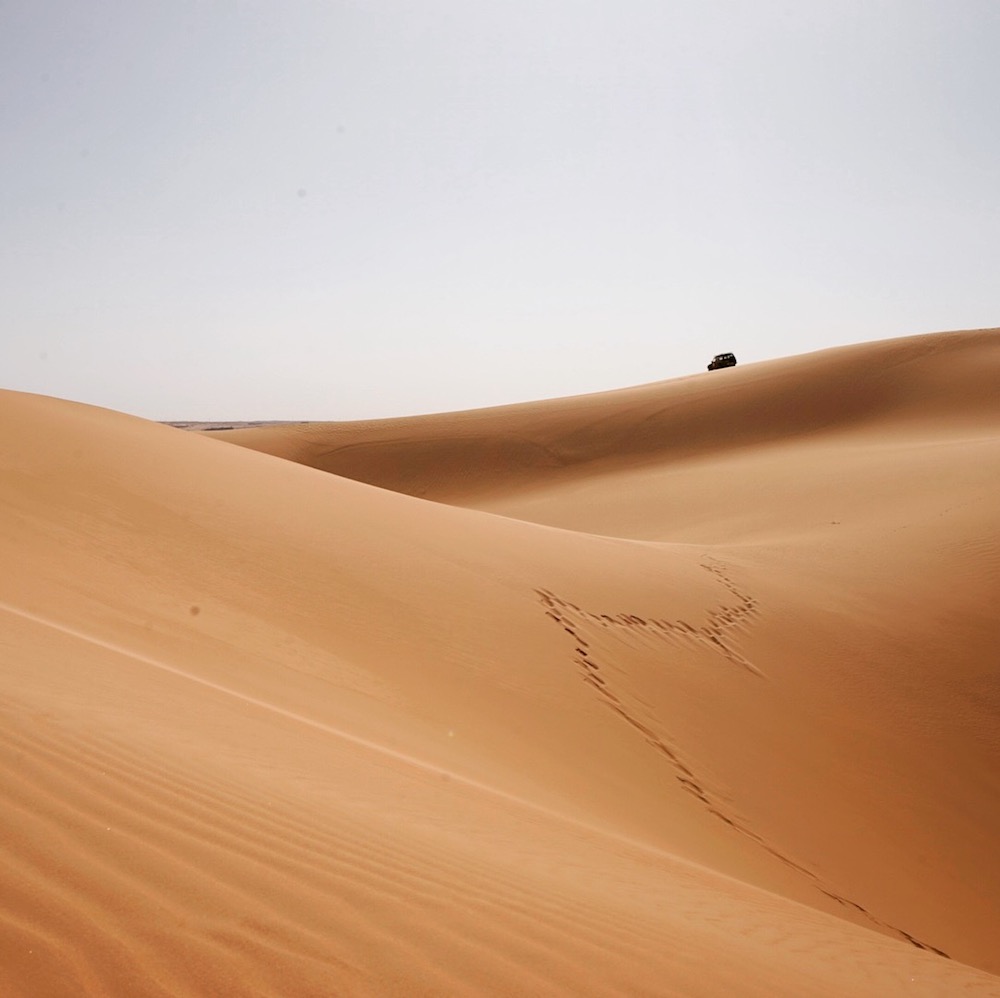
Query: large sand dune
column 688, row 689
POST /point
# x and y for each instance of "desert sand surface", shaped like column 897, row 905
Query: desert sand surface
column 689, row 689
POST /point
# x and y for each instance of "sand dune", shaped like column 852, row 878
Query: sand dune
column 687, row 689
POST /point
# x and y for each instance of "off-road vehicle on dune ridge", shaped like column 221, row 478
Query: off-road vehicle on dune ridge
column 722, row 360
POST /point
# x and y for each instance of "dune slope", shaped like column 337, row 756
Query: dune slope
column 713, row 715
column 851, row 494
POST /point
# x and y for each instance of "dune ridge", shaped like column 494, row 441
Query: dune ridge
column 687, row 689
column 896, row 384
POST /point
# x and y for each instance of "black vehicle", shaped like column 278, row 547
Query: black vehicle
column 722, row 360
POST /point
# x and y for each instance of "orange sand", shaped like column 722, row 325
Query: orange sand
column 689, row 689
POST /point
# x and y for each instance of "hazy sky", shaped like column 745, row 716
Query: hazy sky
column 359, row 208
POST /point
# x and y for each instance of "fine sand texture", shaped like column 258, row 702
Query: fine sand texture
column 690, row 689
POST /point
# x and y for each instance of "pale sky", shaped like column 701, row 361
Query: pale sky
column 349, row 209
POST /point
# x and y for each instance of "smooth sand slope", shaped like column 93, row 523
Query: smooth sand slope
column 689, row 689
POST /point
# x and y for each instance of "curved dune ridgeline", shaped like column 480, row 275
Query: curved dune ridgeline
column 687, row 689
column 922, row 380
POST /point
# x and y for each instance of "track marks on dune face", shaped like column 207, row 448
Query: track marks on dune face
column 596, row 663
column 716, row 633
column 586, row 628
column 912, row 940
column 599, row 671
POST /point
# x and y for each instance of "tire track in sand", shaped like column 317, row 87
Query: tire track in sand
column 715, row 634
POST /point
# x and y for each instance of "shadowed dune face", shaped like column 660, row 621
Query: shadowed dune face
column 686, row 689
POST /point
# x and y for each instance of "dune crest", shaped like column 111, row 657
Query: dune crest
column 684, row 689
